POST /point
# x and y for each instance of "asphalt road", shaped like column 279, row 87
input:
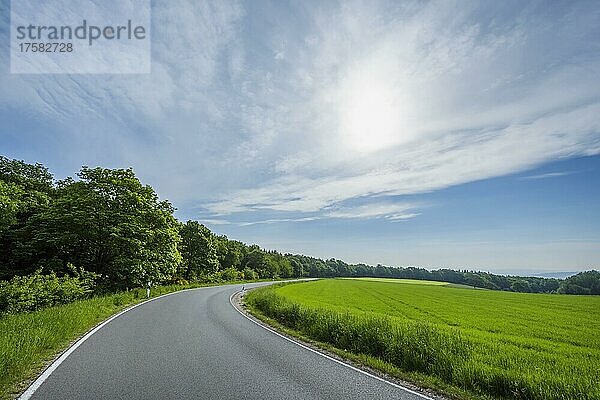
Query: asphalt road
column 195, row 345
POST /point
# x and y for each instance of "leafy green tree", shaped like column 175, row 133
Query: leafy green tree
column 198, row 250
column 110, row 223
column 220, row 244
column 587, row 282
column 280, row 265
column 297, row 269
column 520, row 286
column 235, row 253
column 271, row 268
column 10, row 204
column 25, row 190
column 257, row 260
column 31, row 177
column 229, row 252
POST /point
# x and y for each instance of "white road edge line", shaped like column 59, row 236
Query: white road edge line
column 40, row 380
column 325, row 355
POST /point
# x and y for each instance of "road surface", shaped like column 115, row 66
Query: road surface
column 196, row 345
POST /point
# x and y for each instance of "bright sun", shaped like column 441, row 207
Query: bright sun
column 370, row 115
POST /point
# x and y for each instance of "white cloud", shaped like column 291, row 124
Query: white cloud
column 215, row 221
column 548, row 175
column 386, row 210
column 276, row 221
column 429, row 165
column 391, row 211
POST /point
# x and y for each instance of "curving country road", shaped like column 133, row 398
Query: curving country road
column 196, row 345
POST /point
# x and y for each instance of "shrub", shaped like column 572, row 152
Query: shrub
column 37, row 291
column 249, row 274
column 230, row 274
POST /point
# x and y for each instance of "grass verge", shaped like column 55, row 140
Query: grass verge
column 29, row 341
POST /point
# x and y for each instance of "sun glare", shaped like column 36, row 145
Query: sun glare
column 370, row 115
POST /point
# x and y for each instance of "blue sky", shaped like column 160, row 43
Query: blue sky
column 460, row 134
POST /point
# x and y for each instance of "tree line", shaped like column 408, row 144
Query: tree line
column 107, row 223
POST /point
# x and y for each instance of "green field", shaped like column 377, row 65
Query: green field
column 404, row 281
column 507, row 345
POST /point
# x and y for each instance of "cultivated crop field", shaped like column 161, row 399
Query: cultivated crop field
column 509, row 345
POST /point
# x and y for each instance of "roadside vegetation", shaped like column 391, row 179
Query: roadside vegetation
column 480, row 342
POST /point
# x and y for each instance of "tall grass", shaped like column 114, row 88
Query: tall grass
column 448, row 353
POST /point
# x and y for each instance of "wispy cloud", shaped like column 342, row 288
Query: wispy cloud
column 391, row 211
column 276, row 221
column 385, row 210
column 548, row 175
column 215, row 221
column 447, row 160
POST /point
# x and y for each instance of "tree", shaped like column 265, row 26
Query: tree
column 10, row 204
column 259, row 261
column 229, row 252
column 25, row 190
column 198, row 250
column 587, row 282
column 297, row 269
column 111, row 224
column 31, row 177
column 520, row 286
